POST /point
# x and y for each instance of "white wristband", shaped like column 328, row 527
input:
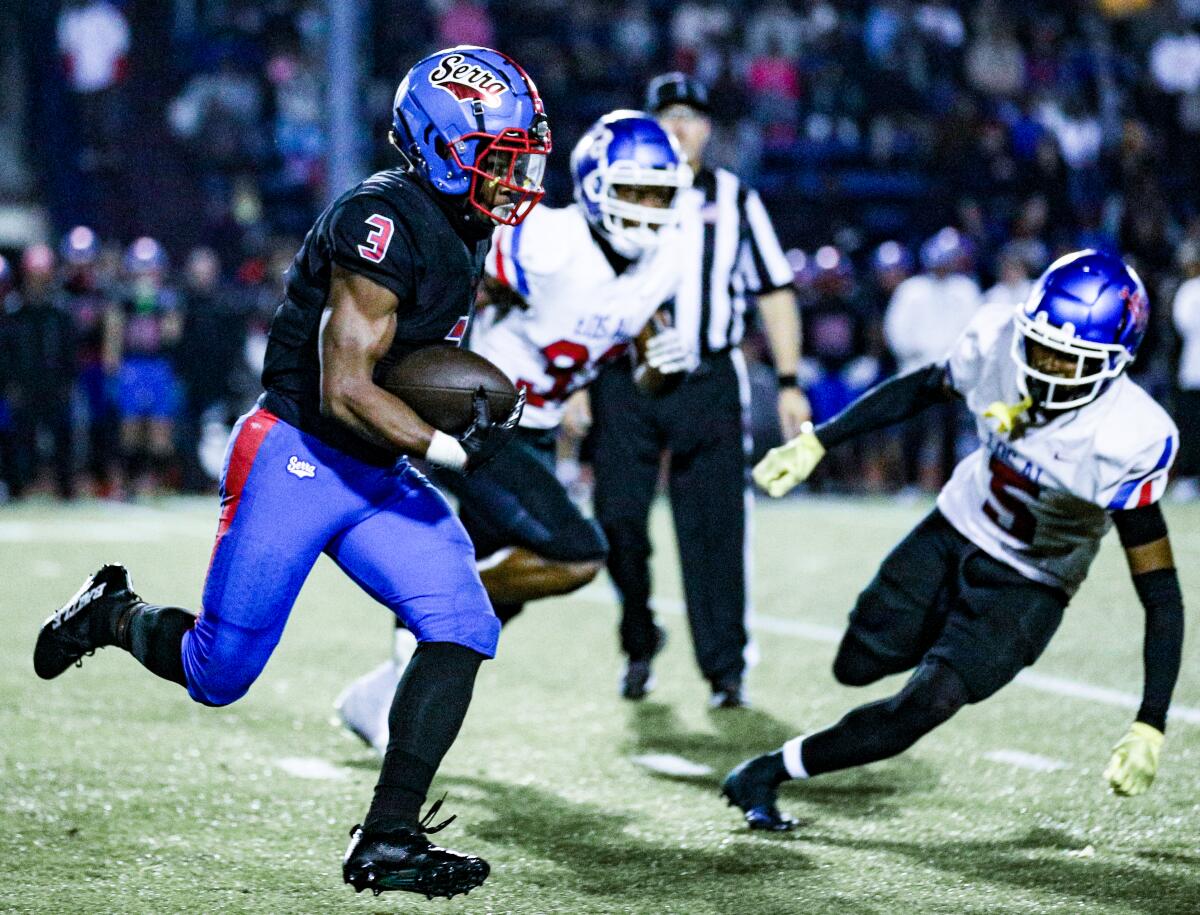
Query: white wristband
column 445, row 451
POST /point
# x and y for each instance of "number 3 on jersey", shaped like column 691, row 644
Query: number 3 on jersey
column 375, row 250
column 1006, row 508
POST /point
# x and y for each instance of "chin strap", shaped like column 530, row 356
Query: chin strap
column 1007, row 415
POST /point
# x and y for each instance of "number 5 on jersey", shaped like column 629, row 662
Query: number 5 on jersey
column 1007, row 510
column 375, row 250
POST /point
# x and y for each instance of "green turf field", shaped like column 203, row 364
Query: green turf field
column 117, row 794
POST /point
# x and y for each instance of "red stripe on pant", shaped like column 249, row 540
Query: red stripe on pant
column 1145, row 494
column 250, row 438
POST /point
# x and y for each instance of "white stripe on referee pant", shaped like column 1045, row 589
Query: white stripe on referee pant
column 750, row 653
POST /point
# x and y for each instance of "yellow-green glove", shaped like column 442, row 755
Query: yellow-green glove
column 789, row 464
column 1134, row 761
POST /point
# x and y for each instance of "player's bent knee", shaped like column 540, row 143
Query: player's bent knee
column 218, row 695
column 934, row 694
column 484, row 633
column 221, row 663
column 857, row 665
column 476, row 627
column 218, row 688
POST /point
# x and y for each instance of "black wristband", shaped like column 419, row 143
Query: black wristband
column 788, row 381
column 1139, row 526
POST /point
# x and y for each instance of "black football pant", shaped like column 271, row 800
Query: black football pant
column 53, row 414
column 701, row 423
column 1187, row 417
column 197, row 399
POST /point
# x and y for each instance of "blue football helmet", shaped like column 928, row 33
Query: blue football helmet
column 628, row 149
column 946, row 250
column 892, row 256
column 1089, row 306
column 80, row 247
column 468, row 115
column 145, row 257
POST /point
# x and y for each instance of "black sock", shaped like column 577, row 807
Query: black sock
column 506, row 612
column 427, row 712
column 137, row 460
column 154, row 635
column 162, row 465
column 880, row 730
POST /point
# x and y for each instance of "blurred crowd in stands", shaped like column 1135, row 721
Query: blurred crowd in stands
column 121, row 376
column 918, row 158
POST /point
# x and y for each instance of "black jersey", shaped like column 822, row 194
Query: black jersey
column 397, row 232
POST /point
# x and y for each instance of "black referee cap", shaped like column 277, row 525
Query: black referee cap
column 676, row 89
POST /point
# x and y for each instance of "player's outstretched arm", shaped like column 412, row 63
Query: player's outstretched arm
column 356, row 330
column 1143, row 532
column 884, row 405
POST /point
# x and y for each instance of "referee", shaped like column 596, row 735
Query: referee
column 704, row 422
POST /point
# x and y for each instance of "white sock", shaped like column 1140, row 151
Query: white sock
column 792, row 760
column 403, row 646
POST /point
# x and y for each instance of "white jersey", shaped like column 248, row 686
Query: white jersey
column 581, row 314
column 1040, row 500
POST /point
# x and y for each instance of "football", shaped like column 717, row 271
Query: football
column 438, row 382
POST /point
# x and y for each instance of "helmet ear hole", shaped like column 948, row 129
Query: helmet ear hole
column 440, row 147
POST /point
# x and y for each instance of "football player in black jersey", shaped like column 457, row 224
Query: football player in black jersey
column 318, row 466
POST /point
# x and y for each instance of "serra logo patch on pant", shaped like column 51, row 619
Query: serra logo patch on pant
column 300, row 469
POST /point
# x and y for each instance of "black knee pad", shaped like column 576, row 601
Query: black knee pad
column 856, row 664
column 933, row 694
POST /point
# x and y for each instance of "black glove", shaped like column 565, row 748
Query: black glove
column 484, row 438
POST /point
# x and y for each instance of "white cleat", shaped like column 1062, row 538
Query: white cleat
column 364, row 705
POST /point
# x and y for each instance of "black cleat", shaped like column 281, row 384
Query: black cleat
column 405, row 859
column 751, row 786
column 83, row 624
column 638, row 679
column 729, row 694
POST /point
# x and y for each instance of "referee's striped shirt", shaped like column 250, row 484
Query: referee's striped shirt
column 733, row 252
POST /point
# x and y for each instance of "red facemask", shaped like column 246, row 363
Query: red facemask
column 513, row 161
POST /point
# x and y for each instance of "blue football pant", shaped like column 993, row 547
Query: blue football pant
column 286, row 497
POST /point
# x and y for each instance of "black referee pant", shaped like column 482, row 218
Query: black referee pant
column 701, row 423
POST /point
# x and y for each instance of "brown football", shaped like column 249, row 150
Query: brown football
column 438, row 382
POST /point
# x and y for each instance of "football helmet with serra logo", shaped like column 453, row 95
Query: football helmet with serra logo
column 470, row 121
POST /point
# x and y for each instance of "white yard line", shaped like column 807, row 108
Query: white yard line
column 1023, row 760
column 45, row 568
column 831, row 635
column 670, row 764
column 310, row 767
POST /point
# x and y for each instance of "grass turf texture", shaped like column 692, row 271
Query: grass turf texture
column 117, row 794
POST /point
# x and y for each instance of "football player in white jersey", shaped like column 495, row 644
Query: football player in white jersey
column 1071, row 446
column 588, row 280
